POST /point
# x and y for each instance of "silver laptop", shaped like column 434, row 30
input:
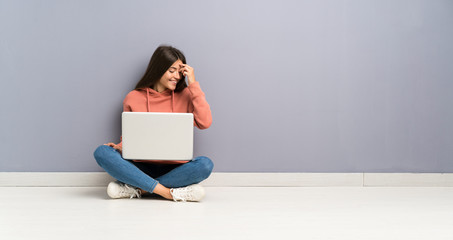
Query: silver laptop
column 157, row 136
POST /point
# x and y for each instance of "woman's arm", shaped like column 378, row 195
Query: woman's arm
column 199, row 107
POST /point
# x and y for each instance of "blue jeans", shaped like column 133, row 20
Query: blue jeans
column 146, row 175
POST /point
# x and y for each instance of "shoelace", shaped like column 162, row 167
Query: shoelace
column 133, row 191
column 182, row 194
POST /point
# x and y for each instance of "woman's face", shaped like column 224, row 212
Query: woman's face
column 170, row 78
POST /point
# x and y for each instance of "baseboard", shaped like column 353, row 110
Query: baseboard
column 54, row 179
column 219, row 179
column 408, row 180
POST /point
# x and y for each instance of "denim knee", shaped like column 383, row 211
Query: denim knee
column 100, row 154
column 205, row 166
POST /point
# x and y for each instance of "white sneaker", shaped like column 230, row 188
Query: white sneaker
column 121, row 190
column 192, row 193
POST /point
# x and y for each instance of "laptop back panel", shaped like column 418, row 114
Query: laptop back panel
column 157, row 136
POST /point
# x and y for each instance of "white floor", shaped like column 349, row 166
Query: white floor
column 230, row 213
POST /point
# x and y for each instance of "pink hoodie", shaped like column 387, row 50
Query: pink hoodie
column 189, row 100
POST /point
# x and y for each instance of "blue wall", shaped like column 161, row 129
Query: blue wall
column 294, row 86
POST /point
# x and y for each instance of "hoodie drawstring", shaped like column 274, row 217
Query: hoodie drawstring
column 147, row 99
column 172, row 100
column 172, row 103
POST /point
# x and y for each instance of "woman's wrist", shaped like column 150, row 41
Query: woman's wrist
column 190, row 81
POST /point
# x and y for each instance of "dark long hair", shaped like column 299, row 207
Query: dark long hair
column 160, row 62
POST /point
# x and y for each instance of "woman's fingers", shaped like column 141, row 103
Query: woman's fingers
column 187, row 71
column 110, row 144
column 185, row 66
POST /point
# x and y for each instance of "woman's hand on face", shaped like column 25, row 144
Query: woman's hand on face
column 187, row 71
column 115, row 146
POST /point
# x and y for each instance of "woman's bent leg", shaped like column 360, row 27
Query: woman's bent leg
column 187, row 174
column 122, row 170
